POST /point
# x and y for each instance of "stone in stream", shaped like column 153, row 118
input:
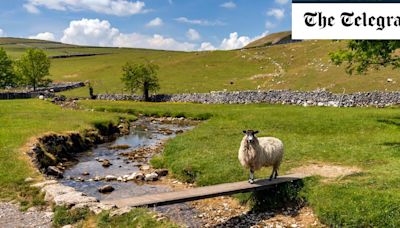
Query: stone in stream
column 54, row 171
column 162, row 172
column 136, row 176
column 97, row 178
column 106, row 163
column 85, row 174
column 145, row 167
column 110, row 178
column 151, row 177
column 106, row 189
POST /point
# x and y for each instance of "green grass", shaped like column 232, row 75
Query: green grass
column 63, row 216
column 138, row 217
column 364, row 137
column 21, row 120
column 305, row 66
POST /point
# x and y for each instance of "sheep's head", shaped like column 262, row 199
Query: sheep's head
column 250, row 135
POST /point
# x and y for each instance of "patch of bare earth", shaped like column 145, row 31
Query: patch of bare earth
column 11, row 216
column 228, row 212
column 325, row 170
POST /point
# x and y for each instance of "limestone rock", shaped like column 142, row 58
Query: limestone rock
column 151, row 177
column 54, row 171
column 106, row 189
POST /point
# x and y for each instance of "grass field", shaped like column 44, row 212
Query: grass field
column 364, row 137
column 296, row 66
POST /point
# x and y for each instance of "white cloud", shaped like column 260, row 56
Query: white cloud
column 277, row 13
column 31, row 8
column 111, row 7
column 269, row 25
column 2, row 33
column 282, row 2
column 101, row 33
column 155, row 22
column 228, row 5
column 199, row 22
column 154, row 42
column 206, row 46
column 235, row 41
column 90, row 32
column 192, row 34
column 44, row 36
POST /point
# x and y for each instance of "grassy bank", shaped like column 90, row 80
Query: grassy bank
column 22, row 120
column 364, row 137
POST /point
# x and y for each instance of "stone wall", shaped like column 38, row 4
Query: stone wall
column 45, row 91
column 314, row 98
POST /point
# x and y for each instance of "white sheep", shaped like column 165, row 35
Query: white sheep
column 255, row 153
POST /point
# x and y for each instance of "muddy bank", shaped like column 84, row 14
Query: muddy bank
column 52, row 153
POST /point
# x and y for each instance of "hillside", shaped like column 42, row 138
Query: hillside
column 296, row 66
column 270, row 39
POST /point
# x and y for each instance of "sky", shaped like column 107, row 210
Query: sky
column 184, row 25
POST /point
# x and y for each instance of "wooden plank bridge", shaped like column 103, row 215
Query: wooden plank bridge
column 192, row 194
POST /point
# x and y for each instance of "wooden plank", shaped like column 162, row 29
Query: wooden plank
column 167, row 198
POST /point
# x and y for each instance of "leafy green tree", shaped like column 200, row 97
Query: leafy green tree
column 140, row 76
column 7, row 75
column 33, row 67
column 362, row 55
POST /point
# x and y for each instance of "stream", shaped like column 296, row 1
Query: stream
column 144, row 133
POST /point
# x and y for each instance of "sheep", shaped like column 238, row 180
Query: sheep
column 255, row 153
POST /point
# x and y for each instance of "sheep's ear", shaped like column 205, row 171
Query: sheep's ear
column 255, row 132
column 244, row 131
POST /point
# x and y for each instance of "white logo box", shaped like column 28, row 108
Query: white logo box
column 376, row 20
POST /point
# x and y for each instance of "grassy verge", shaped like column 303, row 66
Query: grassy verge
column 138, row 217
column 363, row 137
column 21, row 120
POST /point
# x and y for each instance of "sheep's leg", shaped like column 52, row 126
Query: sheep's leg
column 251, row 179
column 272, row 174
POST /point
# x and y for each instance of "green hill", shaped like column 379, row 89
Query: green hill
column 296, row 66
column 270, row 39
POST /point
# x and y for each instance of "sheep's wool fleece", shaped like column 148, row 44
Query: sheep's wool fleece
column 264, row 151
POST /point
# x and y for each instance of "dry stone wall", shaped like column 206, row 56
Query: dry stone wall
column 314, row 98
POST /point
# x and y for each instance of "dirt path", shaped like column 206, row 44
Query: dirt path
column 11, row 216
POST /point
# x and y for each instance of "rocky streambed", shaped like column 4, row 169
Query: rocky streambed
column 123, row 163
column 120, row 169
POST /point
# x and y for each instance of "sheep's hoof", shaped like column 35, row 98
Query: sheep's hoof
column 251, row 181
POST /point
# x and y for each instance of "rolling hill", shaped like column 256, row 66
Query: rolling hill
column 270, row 39
column 296, row 66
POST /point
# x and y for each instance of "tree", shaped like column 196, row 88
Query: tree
column 33, row 67
column 7, row 75
column 142, row 76
column 362, row 55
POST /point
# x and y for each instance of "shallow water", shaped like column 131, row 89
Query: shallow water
column 144, row 133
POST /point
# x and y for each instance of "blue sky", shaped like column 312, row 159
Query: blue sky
column 160, row 24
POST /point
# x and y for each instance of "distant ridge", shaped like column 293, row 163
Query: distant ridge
column 272, row 39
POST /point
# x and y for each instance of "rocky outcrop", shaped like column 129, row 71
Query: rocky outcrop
column 67, row 196
column 313, row 98
column 52, row 152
